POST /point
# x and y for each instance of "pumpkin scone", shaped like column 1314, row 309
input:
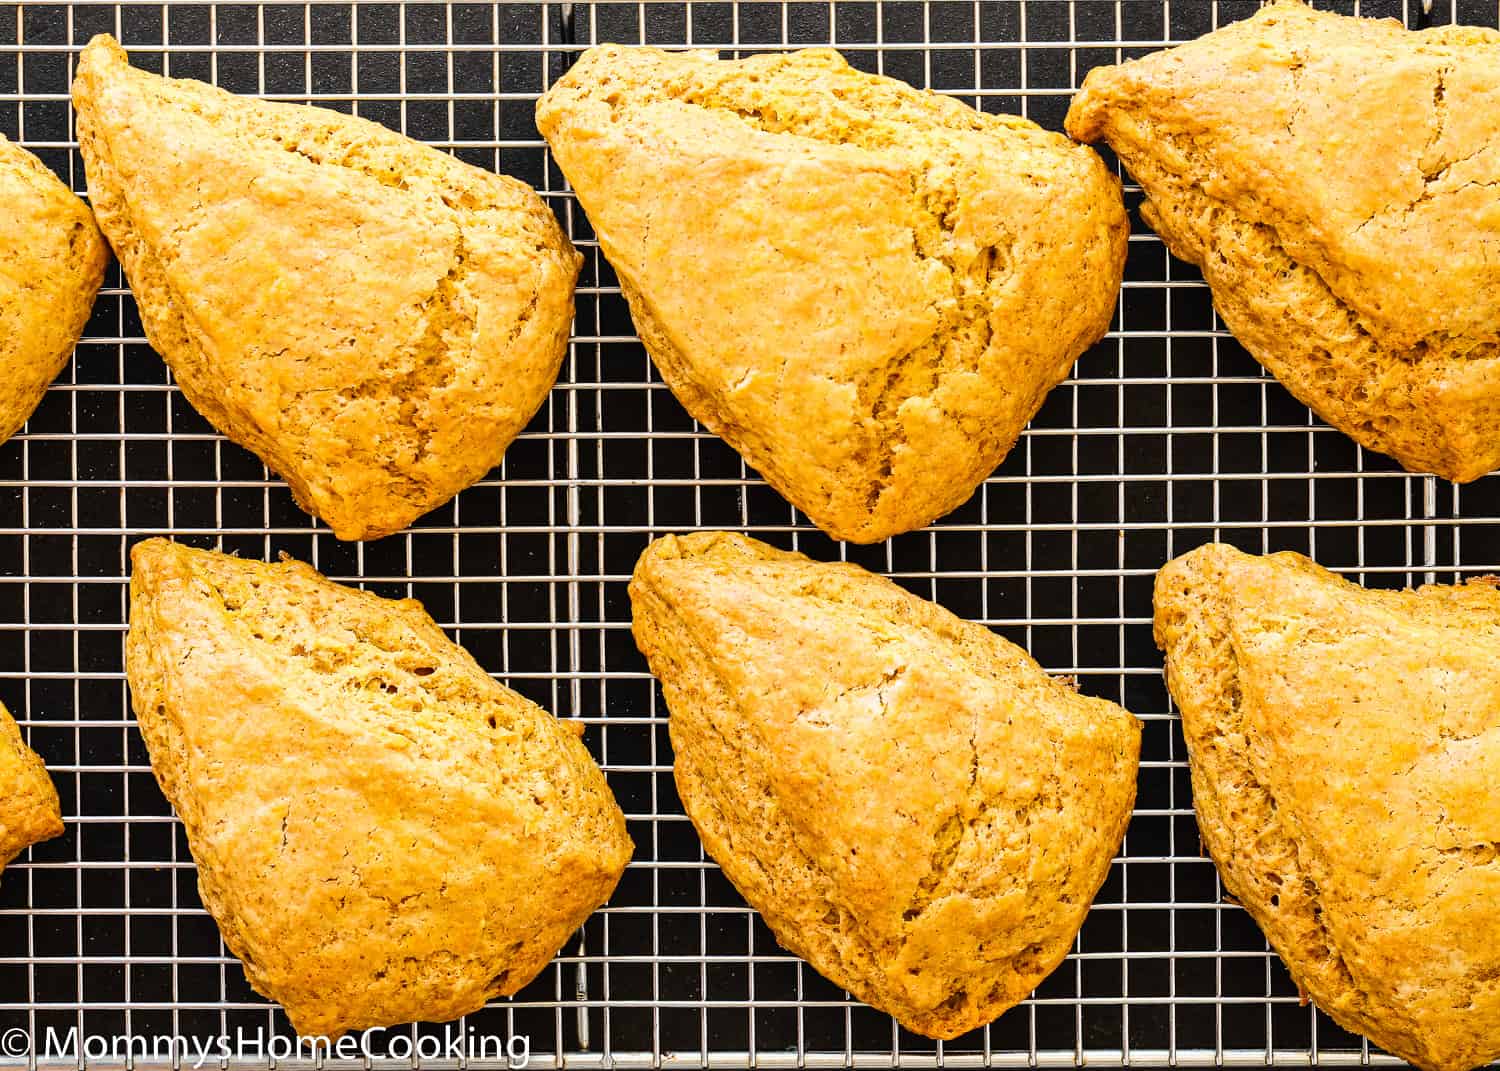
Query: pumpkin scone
column 1345, row 746
column 29, row 809
column 373, row 318
column 383, row 833
column 52, row 261
column 914, row 806
column 1337, row 180
column 865, row 289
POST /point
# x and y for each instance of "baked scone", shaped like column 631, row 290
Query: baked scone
column 52, row 260
column 373, row 318
column 29, row 809
column 1345, row 747
column 1337, row 180
column 913, row 805
column 865, row 289
column 383, row 833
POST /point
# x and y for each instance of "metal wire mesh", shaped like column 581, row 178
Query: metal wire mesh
column 1166, row 436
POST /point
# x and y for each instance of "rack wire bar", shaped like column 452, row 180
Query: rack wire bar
column 1167, row 435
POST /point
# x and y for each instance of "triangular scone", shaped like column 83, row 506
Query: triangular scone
column 864, row 289
column 1338, row 181
column 383, row 833
column 1345, row 748
column 913, row 805
column 373, row 318
column 29, row 808
column 52, row 260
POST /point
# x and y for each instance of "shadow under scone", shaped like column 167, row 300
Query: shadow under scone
column 1345, row 748
column 373, row 318
column 864, row 289
column 914, row 806
column 1337, row 180
column 383, row 833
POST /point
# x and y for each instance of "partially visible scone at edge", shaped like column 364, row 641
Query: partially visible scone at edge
column 1345, row 747
column 383, row 833
column 865, row 289
column 915, row 807
column 52, row 260
column 29, row 808
column 373, row 318
column 1337, row 180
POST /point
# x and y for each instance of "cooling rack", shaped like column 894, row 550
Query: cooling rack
column 1166, row 436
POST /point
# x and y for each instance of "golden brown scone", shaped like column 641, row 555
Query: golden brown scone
column 29, row 809
column 1345, row 747
column 383, row 833
column 52, row 260
column 373, row 318
column 913, row 805
column 865, row 289
column 1338, row 182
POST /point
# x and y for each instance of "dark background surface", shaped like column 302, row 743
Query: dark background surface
column 1167, row 436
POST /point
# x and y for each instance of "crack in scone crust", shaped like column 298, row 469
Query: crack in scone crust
column 382, row 832
column 828, row 729
column 1342, row 744
column 865, row 289
column 1238, row 817
column 1361, row 276
column 374, row 319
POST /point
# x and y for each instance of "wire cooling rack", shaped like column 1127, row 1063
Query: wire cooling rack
column 1167, row 435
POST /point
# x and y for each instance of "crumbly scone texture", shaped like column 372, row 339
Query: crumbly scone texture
column 29, row 808
column 915, row 807
column 865, row 289
column 383, row 833
column 1337, row 180
column 373, row 318
column 52, row 261
column 1345, row 745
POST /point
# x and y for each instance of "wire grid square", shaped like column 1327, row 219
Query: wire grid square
column 1167, row 435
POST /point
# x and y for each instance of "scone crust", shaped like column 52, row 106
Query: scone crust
column 865, row 289
column 383, row 832
column 373, row 318
column 1337, row 180
column 912, row 804
column 1344, row 745
column 52, row 261
column 29, row 809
